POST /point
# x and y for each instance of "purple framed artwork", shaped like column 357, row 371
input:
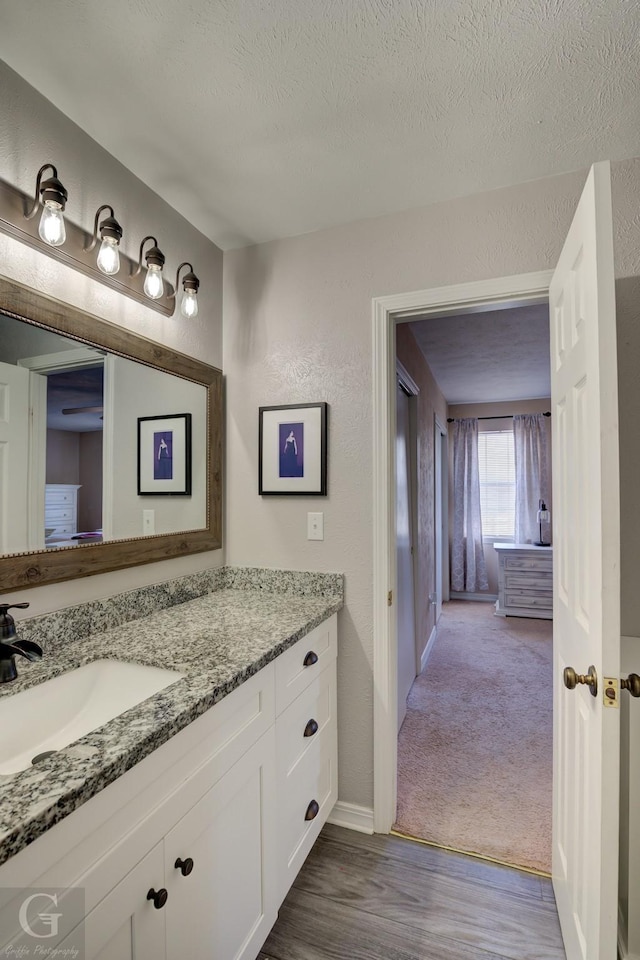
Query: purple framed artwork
column 292, row 458
column 164, row 455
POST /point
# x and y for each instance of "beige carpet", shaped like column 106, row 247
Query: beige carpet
column 475, row 749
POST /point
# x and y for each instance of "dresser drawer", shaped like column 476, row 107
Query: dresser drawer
column 529, row 563
column 303, row 722
column 310, row 791
column 60, row 497
column 529, row 601
column 303, row 662
column 59, row 514
column 530, row 591
column 529, row 581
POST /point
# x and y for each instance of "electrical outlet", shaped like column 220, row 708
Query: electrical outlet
column 148, row 522
column 315, row 526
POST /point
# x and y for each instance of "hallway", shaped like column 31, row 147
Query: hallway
column 475, row 749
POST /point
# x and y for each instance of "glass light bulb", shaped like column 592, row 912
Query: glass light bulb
column 108, row 256
column 51, row 228
column 153, row 284
column 189, row 306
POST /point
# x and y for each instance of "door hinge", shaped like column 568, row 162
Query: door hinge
column 390, row 598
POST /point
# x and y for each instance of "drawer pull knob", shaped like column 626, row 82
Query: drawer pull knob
column 159, row 897
column 312, row 810
column 310, row 659
column 184, row 866
column 311, row 728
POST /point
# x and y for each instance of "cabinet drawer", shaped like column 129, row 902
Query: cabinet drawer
column 313, row 710
column 313, row 781
column 59, row 514
column 516, row 600
column 528, row 563
column 303, row 662
column 529, row 581
column 60, row 497
column 530, row 591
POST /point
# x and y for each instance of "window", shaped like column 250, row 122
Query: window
column 497, row 483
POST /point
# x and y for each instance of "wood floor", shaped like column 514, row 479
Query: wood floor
column 362, row 897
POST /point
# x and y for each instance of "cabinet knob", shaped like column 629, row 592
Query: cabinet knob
column 310, row 659
column 184, row 866
column 159, row 897
column 311, row 728
column 312, row 810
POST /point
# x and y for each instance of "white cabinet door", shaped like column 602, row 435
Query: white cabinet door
column 225, row 907
column 126, row 925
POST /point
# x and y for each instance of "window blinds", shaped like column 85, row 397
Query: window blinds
column 496, row 463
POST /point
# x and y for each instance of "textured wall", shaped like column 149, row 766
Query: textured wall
column 33, row 132
column 430, row 403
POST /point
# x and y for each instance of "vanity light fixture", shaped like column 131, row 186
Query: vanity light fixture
column 57, row 236
column 54, row 198
column 153, row 284
column 108, row 259
column 190, row 284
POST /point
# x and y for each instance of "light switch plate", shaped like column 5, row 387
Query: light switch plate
column 148, row 522
column 315, row 526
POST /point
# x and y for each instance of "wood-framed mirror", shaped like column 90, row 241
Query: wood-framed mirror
column 110, row 445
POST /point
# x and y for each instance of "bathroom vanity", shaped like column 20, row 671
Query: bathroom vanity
column 185, row 819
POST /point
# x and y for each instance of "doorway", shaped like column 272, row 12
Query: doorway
column 388, row 311
column 466, row 780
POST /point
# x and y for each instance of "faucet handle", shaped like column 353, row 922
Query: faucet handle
column 7, row 623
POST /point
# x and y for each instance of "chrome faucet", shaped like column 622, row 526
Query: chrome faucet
column 11, row 646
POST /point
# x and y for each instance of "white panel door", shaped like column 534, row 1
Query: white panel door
column 224, row 908
column 406, row 609
column 586, row 625
column 14, row 458
column 125, row 925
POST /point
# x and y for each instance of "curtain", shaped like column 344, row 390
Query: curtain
column 531, row 442
column 468, row 568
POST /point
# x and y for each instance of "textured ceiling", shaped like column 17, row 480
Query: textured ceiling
column 270, row 118
column 488, row 357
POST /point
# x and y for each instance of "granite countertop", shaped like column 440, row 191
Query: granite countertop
column 216, row 641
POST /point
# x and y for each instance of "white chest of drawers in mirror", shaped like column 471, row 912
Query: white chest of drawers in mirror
column 525, row 580
column 61, row 509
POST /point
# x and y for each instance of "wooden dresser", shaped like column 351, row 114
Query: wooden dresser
column 525, row 580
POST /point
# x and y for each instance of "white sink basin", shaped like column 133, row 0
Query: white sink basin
column 57, row 712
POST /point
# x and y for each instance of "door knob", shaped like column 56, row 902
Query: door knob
column 184, row 866
column 632, row 684
column 572, row 679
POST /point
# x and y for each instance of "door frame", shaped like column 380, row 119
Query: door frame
column 482, row 295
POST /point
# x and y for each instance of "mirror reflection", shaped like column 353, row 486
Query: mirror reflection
column 69, row 444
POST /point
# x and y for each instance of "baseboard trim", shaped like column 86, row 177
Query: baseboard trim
column 352, row 816
column 427, row 650
column 487, row 597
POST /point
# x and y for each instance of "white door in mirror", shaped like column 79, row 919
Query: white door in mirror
column 58, row 712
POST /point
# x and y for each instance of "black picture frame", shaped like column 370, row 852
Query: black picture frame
column 159, row 475
column 292, row 450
